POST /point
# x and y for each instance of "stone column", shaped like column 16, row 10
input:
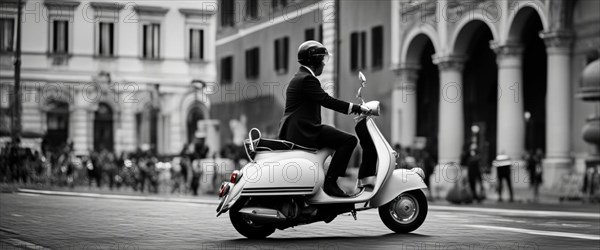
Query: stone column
column 126, row 129
column 511, row 124
column 79, row 125
column 558, row 106
column 451, row 121
column 404, row 103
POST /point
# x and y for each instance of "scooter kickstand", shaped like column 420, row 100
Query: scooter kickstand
column 353, row 212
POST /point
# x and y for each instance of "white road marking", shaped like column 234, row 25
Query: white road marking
column 518, row 212
column 16, row 215
column 24, row 244
column 27, row 194
column 540, row 232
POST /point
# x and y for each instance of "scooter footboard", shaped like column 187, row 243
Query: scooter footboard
column 401, row 181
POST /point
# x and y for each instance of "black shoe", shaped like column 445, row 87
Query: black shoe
column 332, row 189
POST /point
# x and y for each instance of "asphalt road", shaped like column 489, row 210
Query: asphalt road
column 30, row 221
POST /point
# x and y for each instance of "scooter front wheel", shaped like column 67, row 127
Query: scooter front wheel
column 405, row 213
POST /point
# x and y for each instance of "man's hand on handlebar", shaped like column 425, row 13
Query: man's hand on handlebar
column 360, row 109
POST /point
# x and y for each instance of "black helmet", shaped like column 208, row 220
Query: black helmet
column 311, row 52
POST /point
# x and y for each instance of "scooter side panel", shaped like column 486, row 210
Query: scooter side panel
column 291, row 176
column 402, row 180
column 309, row 167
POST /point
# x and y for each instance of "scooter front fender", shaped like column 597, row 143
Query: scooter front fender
column 402, row 180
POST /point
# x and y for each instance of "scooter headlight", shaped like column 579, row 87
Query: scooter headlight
column 374, row 107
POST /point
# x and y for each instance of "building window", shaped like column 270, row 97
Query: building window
column 252, row 63
column 151, row 41
column 226, row 70
column 227, row 13
column 279, row 3
column 358, row 53
column 106, row 28
column 251, row 9
column 281, row 55
column 60, row 16
column 7, row 32
column 106, row 36
column 60, row 38
column 377, row 47
column 309, row 34
column 196, row 44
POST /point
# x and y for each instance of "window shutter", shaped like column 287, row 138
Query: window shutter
column 354, row 51
column 377, row 47
column 194, row 44
column 277, row 55
column 248, row 62
column 6, row 34
column 191, row 44
column 363, row 50
column 286, row 44
column 60, row 37
column 111, row 38
column 156, row 41
column 201, row 48
column 257, row 62
column 147, row 49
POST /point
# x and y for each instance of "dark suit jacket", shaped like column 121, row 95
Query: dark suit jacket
column 301, row 122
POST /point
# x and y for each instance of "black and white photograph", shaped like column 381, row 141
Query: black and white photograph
column 300, row 124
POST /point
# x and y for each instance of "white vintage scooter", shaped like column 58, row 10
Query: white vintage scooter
column 282, row 185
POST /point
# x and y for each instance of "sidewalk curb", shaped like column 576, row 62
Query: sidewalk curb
column 117, row 196
column 514, row 212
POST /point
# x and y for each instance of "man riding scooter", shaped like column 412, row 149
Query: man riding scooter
column 301, row 123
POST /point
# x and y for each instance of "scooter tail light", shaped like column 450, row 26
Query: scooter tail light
column 235, row 176
column 223, row 190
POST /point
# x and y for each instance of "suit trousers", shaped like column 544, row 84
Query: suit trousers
column 343, row 143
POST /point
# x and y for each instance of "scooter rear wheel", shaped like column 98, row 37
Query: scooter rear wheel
column 405, row 213
column 247, row 227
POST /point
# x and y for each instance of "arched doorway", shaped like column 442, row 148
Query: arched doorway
column 526, row 27
column 480, row 90
column 194, row 115
column 57, row 124
column 428, row 93
column 103, row 128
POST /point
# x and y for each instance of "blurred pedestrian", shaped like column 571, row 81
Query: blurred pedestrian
column 196, row 174
column 534, row 167
column 152, row 174
column 425, row 162
column 474, row 173
column 503, row 166
column 176, row 175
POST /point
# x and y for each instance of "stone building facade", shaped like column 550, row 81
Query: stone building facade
column 114, row 75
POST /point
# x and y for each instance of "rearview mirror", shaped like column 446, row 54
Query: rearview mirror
column 362, row 78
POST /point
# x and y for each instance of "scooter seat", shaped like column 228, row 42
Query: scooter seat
column 267, row 145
